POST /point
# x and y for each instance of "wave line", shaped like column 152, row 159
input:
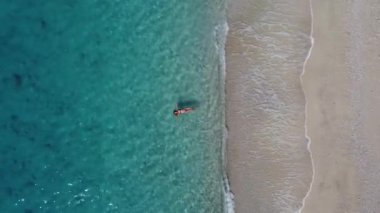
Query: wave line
column 302, row 83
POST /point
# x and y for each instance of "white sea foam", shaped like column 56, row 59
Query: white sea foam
column 306, row 132
column 228, row 197
column 221, row 31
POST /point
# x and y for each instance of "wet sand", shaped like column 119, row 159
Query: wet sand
column 342, row 89
column 269, row 166
column 269, row 163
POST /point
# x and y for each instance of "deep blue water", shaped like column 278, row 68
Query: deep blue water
column 87, row 90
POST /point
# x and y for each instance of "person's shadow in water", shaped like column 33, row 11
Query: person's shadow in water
column 182, row 103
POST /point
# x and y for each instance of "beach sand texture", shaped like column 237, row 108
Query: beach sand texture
column 269, row 165
column 342, row 89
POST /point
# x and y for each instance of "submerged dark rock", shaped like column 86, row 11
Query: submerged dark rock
column 17, row 79
column 14, row 117
column 43, row 24
column 9, row 191
column 30, row 183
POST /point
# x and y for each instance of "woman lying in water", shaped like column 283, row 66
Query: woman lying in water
column 178, row 112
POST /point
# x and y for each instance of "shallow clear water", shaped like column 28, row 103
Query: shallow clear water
column 86, row 97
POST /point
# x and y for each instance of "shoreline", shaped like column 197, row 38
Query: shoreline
column 306, row 104
column 340, row 85
column 229, row 205
column 268, row 166
column 326, row 87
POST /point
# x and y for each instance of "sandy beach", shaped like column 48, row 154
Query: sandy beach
column 271, row 112
column 341, row 85
column 269, row 166
column 329, row 113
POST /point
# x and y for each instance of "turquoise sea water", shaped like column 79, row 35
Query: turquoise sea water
column 87, row 90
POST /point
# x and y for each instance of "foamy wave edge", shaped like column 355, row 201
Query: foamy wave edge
column 306, row 130
column 221, row 32
column 229, row 204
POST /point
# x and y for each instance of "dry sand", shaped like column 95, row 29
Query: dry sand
column 329, row 113
column 342, row 88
